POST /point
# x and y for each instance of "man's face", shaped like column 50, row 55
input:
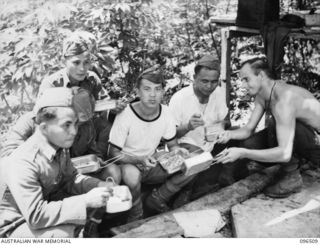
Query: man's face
column 78, row 66
column 206, row 81
column 150, row 93
column 62, row 130
column 250, row 81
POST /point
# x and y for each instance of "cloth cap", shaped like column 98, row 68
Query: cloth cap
column 153, row 74
column 53, row 97
column 209, row 61
column 74, row 45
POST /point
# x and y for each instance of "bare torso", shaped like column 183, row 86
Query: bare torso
column 306, row 107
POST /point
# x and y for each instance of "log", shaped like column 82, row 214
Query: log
column 222, row 200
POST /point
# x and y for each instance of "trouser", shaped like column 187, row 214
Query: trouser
column 171, row 184
column 306, row 142
column 210, row 179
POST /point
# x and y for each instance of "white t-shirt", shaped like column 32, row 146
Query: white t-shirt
column 137, row 136
column 185, row 103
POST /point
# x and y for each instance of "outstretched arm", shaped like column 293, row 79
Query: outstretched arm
column 285, row 129
column 246, row 131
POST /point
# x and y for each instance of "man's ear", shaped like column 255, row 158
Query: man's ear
column 43, row 128
column 262, row 75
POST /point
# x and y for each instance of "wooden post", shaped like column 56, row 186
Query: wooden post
column 225, row 61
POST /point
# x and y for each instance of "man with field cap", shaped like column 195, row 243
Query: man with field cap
column 44, row 195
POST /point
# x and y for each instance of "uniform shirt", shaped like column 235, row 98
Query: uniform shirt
column 60, row 78
column 33, row 176
column 84, row 142
column 139, row 137
column 185, row 103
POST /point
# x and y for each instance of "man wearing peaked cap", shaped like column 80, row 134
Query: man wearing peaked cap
column 37, row 173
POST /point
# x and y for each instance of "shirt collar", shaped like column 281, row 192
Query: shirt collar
column 44, row 146
column 67, row 80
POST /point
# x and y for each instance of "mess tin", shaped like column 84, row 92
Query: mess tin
column 86, row 164
column 120, row 201
column 105, row 104
column 212, row 131
column 171, row 161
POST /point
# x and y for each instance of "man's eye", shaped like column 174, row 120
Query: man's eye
column 76, row 63
column 159, row 89
column 87, row 62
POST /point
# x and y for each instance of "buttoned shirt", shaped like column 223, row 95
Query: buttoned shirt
column 84, row 142
column 32, row 177
column 92, row 83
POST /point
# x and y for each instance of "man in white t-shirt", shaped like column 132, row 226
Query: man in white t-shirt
column 199, row 105
column 135, row 135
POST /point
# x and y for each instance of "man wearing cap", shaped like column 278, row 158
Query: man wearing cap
column 135, row 134
column 84, row 142
column 77, row 55
column 38, row 172
column 200, row 105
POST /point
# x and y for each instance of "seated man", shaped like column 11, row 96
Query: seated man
column 77, row 58
column 296, row 117
column 135, row 135
column 84, row 142
column 194, row 108
column 200, row 104
column 39, row 175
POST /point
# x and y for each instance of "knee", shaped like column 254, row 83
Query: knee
column 131, row 176
column 113, row 171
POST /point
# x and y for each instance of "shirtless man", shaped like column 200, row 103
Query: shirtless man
column 296, row 116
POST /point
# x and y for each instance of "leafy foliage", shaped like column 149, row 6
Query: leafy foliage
column 127, row 36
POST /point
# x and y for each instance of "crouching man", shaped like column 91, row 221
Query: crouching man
column 37, row 173
column 135, row 135
column 294, row 127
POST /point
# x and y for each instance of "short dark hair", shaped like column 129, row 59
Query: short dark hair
column 198, row 68
column 259, row 64
column 46, row 114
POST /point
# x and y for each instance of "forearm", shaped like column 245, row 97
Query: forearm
column 125, row 158
column 240, row 134
column 272, row 155
column 182, row 130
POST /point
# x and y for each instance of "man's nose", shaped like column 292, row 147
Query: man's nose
column 82, row 67
column 73, row 130
column 153, row 93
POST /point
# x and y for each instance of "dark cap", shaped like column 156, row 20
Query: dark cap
column 153, row 74
column 209, row 61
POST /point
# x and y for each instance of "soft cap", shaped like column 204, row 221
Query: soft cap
column 54, row 97
column 209, row 61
